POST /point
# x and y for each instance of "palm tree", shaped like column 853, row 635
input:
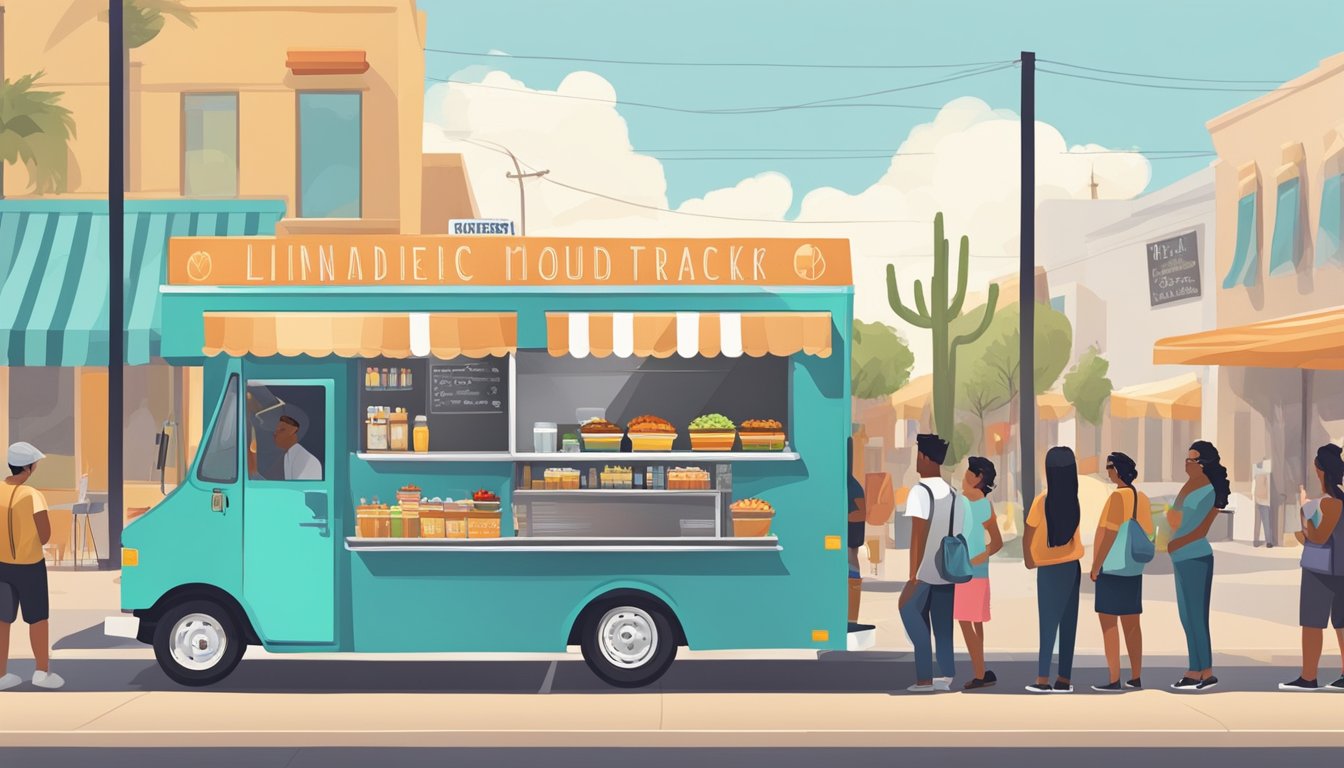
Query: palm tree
column 35, row 130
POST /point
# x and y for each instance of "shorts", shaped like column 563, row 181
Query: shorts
column 23, row 586
column 1119, row 595
column 1322, row 601
column 971, row 600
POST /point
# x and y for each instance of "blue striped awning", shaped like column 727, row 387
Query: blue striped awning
column 53, row 264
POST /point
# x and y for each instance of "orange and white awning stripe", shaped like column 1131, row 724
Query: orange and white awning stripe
column 361, row 334
column 688, row 334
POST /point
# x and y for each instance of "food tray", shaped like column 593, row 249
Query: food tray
column 652, row 441
column 712, row 441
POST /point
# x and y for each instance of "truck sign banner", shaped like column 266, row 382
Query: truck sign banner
column 436, row 260
column 1173, row 269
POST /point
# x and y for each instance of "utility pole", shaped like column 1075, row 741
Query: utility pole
column 116, row 250
column 1026, row 305
column 522, row 191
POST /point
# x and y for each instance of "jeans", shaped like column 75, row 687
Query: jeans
column 931, row 608
column 1264, row 519
column 1057, row 606
column 1194, row 586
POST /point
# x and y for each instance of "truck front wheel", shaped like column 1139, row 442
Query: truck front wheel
column 628, row 645
column 198, row 643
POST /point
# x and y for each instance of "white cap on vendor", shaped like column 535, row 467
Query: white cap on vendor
column 23, row 454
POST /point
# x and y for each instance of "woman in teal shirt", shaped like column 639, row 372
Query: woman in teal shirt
column 1203, row 496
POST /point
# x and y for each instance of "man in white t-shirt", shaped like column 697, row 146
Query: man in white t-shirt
column 299, row 463
column 926, row 601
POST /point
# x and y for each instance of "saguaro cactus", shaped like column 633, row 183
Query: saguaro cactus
column 936, row 313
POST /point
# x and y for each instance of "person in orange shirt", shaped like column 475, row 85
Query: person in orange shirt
column 1120, row 597
column 1051, row 546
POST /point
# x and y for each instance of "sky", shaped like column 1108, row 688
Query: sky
column 885, row 172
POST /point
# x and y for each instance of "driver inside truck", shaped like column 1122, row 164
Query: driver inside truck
column 298, row 462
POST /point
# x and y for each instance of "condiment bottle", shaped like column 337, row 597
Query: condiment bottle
column 397, row 439
column 421, row 434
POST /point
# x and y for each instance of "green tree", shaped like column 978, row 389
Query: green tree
column 35, row 130
column 1087, row 387
column 880, row 362
column 981, row 392
column 143, row 20
column 936, row 313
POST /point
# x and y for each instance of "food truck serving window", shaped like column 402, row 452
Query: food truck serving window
column 219, row 462
column 285, row 431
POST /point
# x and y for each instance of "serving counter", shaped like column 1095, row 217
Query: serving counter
column 604, row 544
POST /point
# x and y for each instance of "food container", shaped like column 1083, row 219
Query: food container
column 394, row 523
column 372, row 524
column 652, row 441
column 602, row 441
column 570, row 444
column 751, row 524
column 410, row 523
column 697, row 528
column 486, row 506
column 398, row 432
column 432, row 524
column 483, row 524
column 544, row 436
column 706, row 440
column 762, row 441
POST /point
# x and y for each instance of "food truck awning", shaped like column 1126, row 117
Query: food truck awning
column 53, row 269
column 1311, row 341
column 1176, row 399
column 1053, row 406
column 361, row 334
column 709, row 334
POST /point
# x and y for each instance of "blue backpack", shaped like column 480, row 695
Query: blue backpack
column 1132, row 548
column 953, row 558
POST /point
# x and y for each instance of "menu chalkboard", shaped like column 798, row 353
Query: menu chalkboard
column 468, row 387
column 1173, row 269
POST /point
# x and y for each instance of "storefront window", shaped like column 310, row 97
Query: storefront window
column 330, row 153
column 219, row 463
column 286, row 433
column 210, row 145
column 1286, row 248
column 42, row 412
column 1246, row 255
column 1329, row 246
column 149, row 402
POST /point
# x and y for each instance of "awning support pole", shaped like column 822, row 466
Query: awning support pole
column 116, row 335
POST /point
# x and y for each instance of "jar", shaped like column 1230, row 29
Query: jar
column 398, row 436
column 394, row 522
column 421, row 435
column 543, row 437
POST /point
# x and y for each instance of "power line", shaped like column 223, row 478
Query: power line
column 1157, row 77
column 684, row 110
column 776, row 157
column 1159, row 86
column 760, row 64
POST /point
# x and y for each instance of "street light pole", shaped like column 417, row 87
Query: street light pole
column 522, row 191
column 116, row 246
column 1026, row 305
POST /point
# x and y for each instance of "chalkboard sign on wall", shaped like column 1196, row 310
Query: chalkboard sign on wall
column 1173, row 269
column 467, row 387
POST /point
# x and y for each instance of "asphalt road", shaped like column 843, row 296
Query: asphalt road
column 662, row 758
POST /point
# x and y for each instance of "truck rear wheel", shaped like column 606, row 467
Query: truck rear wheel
column 629, row 645
column 198, row 643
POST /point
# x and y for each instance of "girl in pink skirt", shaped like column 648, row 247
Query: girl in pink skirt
column 970, row 606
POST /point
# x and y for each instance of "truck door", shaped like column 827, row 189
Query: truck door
column 289, row 555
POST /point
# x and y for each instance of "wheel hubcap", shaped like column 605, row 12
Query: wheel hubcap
column 628, row 637
column 198, row 641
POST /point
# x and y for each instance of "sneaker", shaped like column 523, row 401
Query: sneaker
column 1062, row 687
column 1338, row 685
column 9, row 681
column 854, row 626
column 1299, row 685
column 1135, row 685
column 1185, row 684
column 942, row 683
column 49, row 680
column 1115, row 687
column 919, row 688
column 1207, row 683
column 1040, row 688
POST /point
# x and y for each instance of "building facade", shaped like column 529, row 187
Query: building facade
column 1279, row 282
column 253, row 118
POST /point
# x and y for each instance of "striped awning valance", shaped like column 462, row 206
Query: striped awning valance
column 688, row 334
column 361, row 334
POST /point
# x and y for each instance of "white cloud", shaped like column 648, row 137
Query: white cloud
column 963, row 163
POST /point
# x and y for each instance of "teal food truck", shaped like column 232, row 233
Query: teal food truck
column 494, row 444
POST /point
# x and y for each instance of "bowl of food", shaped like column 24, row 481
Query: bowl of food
column 713, row 432
column 485, row 501
column 751, row 517
column 651, row 433
column 598, row 434
column 762, row 435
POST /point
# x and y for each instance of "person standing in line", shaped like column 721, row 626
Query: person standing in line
column 1322, row 599
column 927, row 599
column 1119, row 599
column 23, row 566
column 1197, row 505
column 1266, row 531
column 1052, row 547
column 858, row 516
column 970, row 605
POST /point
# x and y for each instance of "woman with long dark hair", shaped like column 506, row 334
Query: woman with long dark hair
column 1120, row 595
column 1051, row 546
column 1202, row 497
column 1322, row 600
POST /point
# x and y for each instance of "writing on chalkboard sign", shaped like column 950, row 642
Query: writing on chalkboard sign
column 1173, row 269
column 467, row 386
